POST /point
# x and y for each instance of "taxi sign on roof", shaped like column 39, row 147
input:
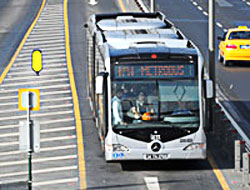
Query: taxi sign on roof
column 242, row 27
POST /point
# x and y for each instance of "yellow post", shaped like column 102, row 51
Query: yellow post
column 37, row 64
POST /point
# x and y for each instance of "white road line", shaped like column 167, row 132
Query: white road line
column 152, row 183
column 47, row 56
column 61, row 138
column 44, row 36
column 248, row 3
column 219, row 24
column 62, row 75
column 41, row 131
column 225, row 30
column 41, row 123
column 46, row 62
column 200, row 8
column 194, row 3
column 70, row 105
column 55, row 148
column 44, row 53
column 57, row 22
column 45, row 42
column 36, row 115
column 55, row 169
column 60, row 86
column 35, row 39
column 28, row 47
column 55, row 182
column 205, row 13
column 31, row 73
column 223, row 3
column 35, row 82
column 42, row 94
column 39, row 160
column 48, row 29
column 58, row 138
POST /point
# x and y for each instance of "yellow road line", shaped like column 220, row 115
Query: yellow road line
column 218, row 173
column 81, row 157
column 5, row 72
column 122, row 6
column 211, row 161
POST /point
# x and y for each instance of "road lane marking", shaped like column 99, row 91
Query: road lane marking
column 55, row 182
column 49, row 61
column 81, row 156
column 223, row 3
column 35, row 82
column 61, row 75
column 41, row 131
column 41, row 171
column 42, row 101
column 45, row 53
column 22, row 43
column 55, row 148
column 200, row 8
column 218, row 173
column 41, row 123
column 60, row 86
column 43, row 42
column 68, row 105
column 35, row 115
column 29, row 47
column 60, row 138
column 219, row 24
column 42, row 94
column 38, row 160
column 194, row 3
column 205, row 13
column 152, row 183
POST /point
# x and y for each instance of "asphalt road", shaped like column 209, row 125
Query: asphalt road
column 15, row 17
column 189, row 17
column 172, row 175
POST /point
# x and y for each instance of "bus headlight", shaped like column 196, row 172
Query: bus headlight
column 120, row 148
column 194, row 146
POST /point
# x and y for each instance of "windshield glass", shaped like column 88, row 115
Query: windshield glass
column 239, row 35
column 155, row 103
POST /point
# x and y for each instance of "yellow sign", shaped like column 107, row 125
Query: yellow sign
column 37, row 64
column 29, row 98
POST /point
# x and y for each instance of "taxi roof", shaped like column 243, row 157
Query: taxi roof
column 239, row 28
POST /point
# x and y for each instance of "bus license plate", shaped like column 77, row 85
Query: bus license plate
column 156, row 156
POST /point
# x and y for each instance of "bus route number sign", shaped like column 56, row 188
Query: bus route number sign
column 154, row 71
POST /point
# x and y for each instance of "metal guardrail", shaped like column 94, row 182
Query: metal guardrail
column 235, row 125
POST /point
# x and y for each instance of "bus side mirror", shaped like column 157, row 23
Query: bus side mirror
column 99, row 84
column 209, row 89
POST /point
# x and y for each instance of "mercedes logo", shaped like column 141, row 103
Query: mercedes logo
column 155, row 147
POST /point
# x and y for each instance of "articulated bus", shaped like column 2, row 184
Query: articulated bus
column 147, row 88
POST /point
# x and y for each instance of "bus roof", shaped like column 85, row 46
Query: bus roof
column 127, row 21
column 161, row 52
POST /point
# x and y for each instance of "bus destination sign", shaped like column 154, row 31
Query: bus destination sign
column 154, row 71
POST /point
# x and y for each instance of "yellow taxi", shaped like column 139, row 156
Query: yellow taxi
column 235, row 45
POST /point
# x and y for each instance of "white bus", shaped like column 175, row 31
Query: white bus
column 146, row 88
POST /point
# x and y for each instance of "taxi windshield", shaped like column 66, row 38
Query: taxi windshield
column 239, row 35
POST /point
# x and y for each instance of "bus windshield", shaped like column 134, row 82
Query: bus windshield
column 154, row 103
